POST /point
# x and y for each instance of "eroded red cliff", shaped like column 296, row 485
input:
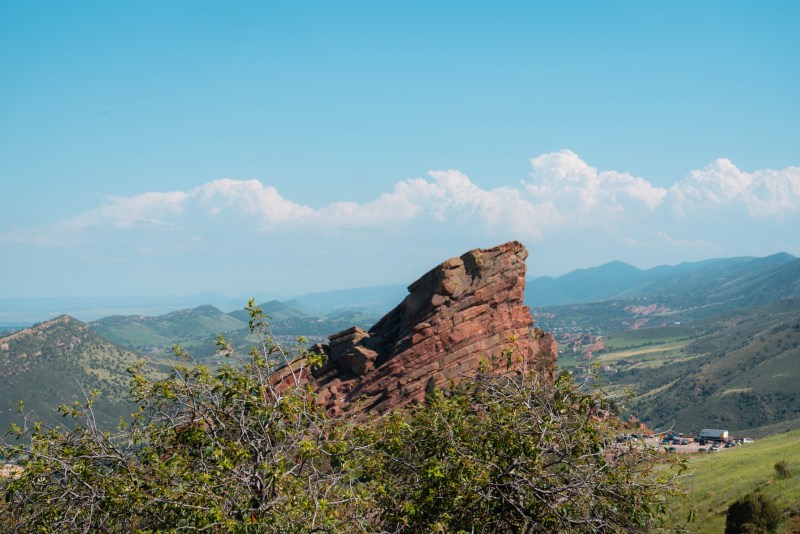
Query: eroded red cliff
column 464, row 310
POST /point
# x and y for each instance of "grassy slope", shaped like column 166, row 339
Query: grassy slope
column 719, row 479
column 136, row 331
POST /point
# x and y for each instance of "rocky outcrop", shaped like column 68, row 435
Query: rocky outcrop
column 466, row 309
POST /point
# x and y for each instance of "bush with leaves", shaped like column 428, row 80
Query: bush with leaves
column 754, row 513
column 216, row 451
column 500, row 454
column 782, row 469
column 231, row 450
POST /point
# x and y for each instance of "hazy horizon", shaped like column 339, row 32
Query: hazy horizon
column 28, row 310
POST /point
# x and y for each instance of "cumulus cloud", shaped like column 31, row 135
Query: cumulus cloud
column 582, row 194
column 763, row 193
column 251, row 197
column 562, row 194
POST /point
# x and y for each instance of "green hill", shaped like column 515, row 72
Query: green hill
column 324, row 326
column 717, row 288
column 182, row 326
column 195, row 329
column 46, row 365
column 718, row 479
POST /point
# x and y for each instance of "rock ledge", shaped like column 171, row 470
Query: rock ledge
column 466, row 309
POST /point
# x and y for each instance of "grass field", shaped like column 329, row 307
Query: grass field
column 719, row 479
column 644, row 355
column 650, row 349
column 651, row 336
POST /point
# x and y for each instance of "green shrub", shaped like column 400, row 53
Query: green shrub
column 782, row 469
column 512, row 455
column 753, row 513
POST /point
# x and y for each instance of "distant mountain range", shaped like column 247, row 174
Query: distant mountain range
column 618, row 280
column 661, row 296
column 375, row 299
column 26, row 311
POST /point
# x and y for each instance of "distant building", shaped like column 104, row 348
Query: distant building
column 713, row 434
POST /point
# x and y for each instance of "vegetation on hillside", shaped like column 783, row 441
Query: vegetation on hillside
column 228, row 450
column 755, row 513
column 143, row 333
column 50, row 364
column 196, row 328
column 737, row 370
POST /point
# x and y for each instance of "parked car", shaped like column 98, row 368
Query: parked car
column 684, row 441
column 714, row 447
column 672, row 449
column 676, row 441
column 702, row 449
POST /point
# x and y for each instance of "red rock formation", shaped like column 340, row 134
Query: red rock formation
column 462, row 311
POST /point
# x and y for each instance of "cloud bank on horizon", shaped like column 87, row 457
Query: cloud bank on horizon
column 571, row 213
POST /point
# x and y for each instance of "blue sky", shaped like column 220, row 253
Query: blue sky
column 179, row 147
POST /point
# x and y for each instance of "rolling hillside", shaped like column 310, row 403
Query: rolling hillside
column 743, row 375
column 196, row 329
column 739, row 370
column 182, row 326
column 46, row 365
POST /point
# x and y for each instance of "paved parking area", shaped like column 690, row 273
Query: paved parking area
column 692, row 448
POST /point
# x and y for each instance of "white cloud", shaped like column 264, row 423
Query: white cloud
column 763, row 193
column 404, row 202
column 563, row 195
column 582, row 195
column 250, row 197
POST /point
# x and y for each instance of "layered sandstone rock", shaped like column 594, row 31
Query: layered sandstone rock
column 467, row 309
